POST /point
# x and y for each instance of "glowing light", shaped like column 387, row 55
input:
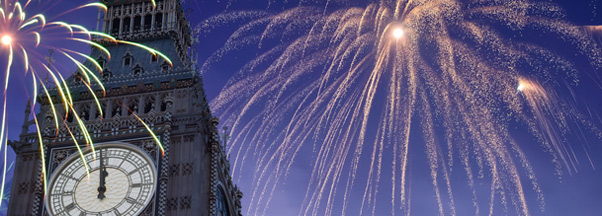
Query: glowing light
column 335, row 84
column 7, row 40
column 31, row 46
column 398, row 33
column 520, row 87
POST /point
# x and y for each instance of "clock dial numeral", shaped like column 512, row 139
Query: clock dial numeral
column 132, row 201
column 126, row 156
column 69, row 207
column 129, row 185
column 70, row 177
column 134, row 171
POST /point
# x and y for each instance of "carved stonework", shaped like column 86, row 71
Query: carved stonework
column 185, row 202
column 149, row 146
column 148, row 211
column 174, row 170
column 59, row 155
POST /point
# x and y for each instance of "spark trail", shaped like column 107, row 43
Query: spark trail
column 356, row 85
column 25, row 36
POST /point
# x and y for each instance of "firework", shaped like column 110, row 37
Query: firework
column 24, row 37
column 353, row 85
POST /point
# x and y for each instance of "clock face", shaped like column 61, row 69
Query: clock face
column 121, row 181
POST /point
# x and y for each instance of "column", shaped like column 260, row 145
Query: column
column 153, row 22
column 120, row 26
column 132, row 18
column 142, row 15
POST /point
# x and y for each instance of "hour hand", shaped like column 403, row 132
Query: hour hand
column 101, row 191
column 102, row 188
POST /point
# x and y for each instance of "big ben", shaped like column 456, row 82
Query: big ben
column 128, row 172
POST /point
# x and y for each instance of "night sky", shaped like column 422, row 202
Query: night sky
column 576, row 194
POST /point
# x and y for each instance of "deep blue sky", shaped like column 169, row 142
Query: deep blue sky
column 577, row 194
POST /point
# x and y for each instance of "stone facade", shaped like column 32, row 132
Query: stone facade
column 193, row 170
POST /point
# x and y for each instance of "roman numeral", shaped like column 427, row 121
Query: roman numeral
column 69, row 207
column 124, row 158
column 132, row 201
column 134, row 171
column 141, row 184
column 69, row 177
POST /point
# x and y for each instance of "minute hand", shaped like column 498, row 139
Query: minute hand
column 103, row 174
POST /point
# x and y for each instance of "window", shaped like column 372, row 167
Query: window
column 165, row 67
column 133, row 106
column 104, row 112
column 101, row 61
column 158, row 20
column 149, row 104
column 222, row 204
column 138, row 70
column 106, row 75
column 163, row 106
column 128, row 59
column 137, row 23
column 126, row 25
column 84, row 112
column 77, row 77
column 116, row 110
column 115, row 26
column 69, row 117
column 148, row 20
column 154, row 58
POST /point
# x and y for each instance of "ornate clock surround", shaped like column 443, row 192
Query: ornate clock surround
column 57, row 155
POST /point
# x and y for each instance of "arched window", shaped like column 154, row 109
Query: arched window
column 158, row 20
column 133, row 106
column 84, row 112
column 149, row 104
column 106, row 75
column 101, row 61
column 116, row 109
column 77, row 77
column 138, row 70
column 69, row 117
column 137, row 23
column 128, row 59
column 104, row 110
column 154, row 58
column 165, row 67
column 115, row 26
column 126, row 25
column 163, row 106
column 222, row 204
column 148, row 20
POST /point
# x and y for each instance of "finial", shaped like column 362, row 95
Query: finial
column 98, row 21
column 49, row 58
column 226, row 137
column 26, row 122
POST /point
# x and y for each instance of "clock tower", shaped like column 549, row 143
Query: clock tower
column 128, row 173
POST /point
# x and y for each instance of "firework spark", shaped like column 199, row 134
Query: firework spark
column 25, row 36
column 359, row 82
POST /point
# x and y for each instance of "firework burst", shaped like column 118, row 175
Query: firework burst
column 352, row 86
column 24, row 38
